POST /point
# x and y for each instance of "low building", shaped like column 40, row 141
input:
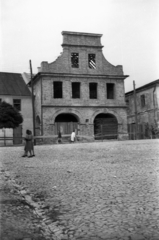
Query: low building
column 81, row 90
column 147, row 110
column 14, row 91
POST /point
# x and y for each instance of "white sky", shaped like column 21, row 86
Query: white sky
column 31, row 29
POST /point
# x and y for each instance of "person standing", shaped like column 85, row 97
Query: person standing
column 73, row 135
column 32, row 141
column 59, row 137
column 29, row 146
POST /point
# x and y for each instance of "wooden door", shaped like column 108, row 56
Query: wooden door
column 65, row 127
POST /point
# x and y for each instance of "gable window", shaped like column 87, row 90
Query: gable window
column 57, row 89
column 92, row 61
column 75, row 90
column 75, row 60
column 93, row 90
column 142, row 97
column 17, row 104
column 110, row 90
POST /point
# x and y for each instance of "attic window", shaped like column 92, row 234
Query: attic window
column 75, row 60
column 92, row 61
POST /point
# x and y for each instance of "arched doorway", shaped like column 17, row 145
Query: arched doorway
column 105, row 126
column 65, row 123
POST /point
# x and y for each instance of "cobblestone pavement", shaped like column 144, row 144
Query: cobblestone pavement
column 91, row 191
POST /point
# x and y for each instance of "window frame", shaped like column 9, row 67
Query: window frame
column 93, row 65
column 91, row 92
column 73, row 91
column 56, row 95
column 73, row 56
column 15, row 105
column 143, row 100
column 109, row 93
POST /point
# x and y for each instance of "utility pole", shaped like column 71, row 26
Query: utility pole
column 135, row 105
column 32, row 96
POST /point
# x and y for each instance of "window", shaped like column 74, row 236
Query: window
column 75, row 90
column 92, row 61
column 57, row 89
column 142, row 100
column 75, row 60
column 93, row 90
column 17, row 104
column 0, row 100
column 127, row 102
column 110, row 90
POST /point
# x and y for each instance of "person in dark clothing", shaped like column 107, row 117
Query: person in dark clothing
column 29, row 146
column 59, row 137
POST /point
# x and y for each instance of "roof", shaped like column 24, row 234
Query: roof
column 82, row 34
column 13, row 84
column 148, row 85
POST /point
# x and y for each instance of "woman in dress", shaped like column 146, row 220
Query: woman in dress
column 29, row 146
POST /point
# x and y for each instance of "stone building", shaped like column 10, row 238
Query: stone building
column 81, row 90
column 14, row 91
column 147, row 102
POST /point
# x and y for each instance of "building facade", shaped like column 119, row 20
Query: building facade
column 14, row 91
column 81, row 90
column 147, row 109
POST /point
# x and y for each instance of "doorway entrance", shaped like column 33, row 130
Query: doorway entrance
column 65, row 123
column 105, row 126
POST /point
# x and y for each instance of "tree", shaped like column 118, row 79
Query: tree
column 9, row 116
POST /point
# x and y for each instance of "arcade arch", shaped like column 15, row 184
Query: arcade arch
column 105, row 126
column 66, row 123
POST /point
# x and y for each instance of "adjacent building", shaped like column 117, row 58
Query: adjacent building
column 81, row 90
column 14, row 91
column 147, row 110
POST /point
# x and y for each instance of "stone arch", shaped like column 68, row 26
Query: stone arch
column 106, row 111
column 105, row 126
column 66, row 121
column 74, row 112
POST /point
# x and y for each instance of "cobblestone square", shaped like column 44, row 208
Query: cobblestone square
column 84, row 191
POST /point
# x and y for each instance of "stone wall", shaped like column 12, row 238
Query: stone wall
column 47, row 85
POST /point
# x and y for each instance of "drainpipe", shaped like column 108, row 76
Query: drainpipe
column 135, row 105
column 32, row 95
column 154, row 100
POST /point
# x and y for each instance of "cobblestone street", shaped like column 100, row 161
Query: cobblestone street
column 90, row 191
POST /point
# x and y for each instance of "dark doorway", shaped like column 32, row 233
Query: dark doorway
column 65, row 123
column 17, row 135
column 105, row 126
